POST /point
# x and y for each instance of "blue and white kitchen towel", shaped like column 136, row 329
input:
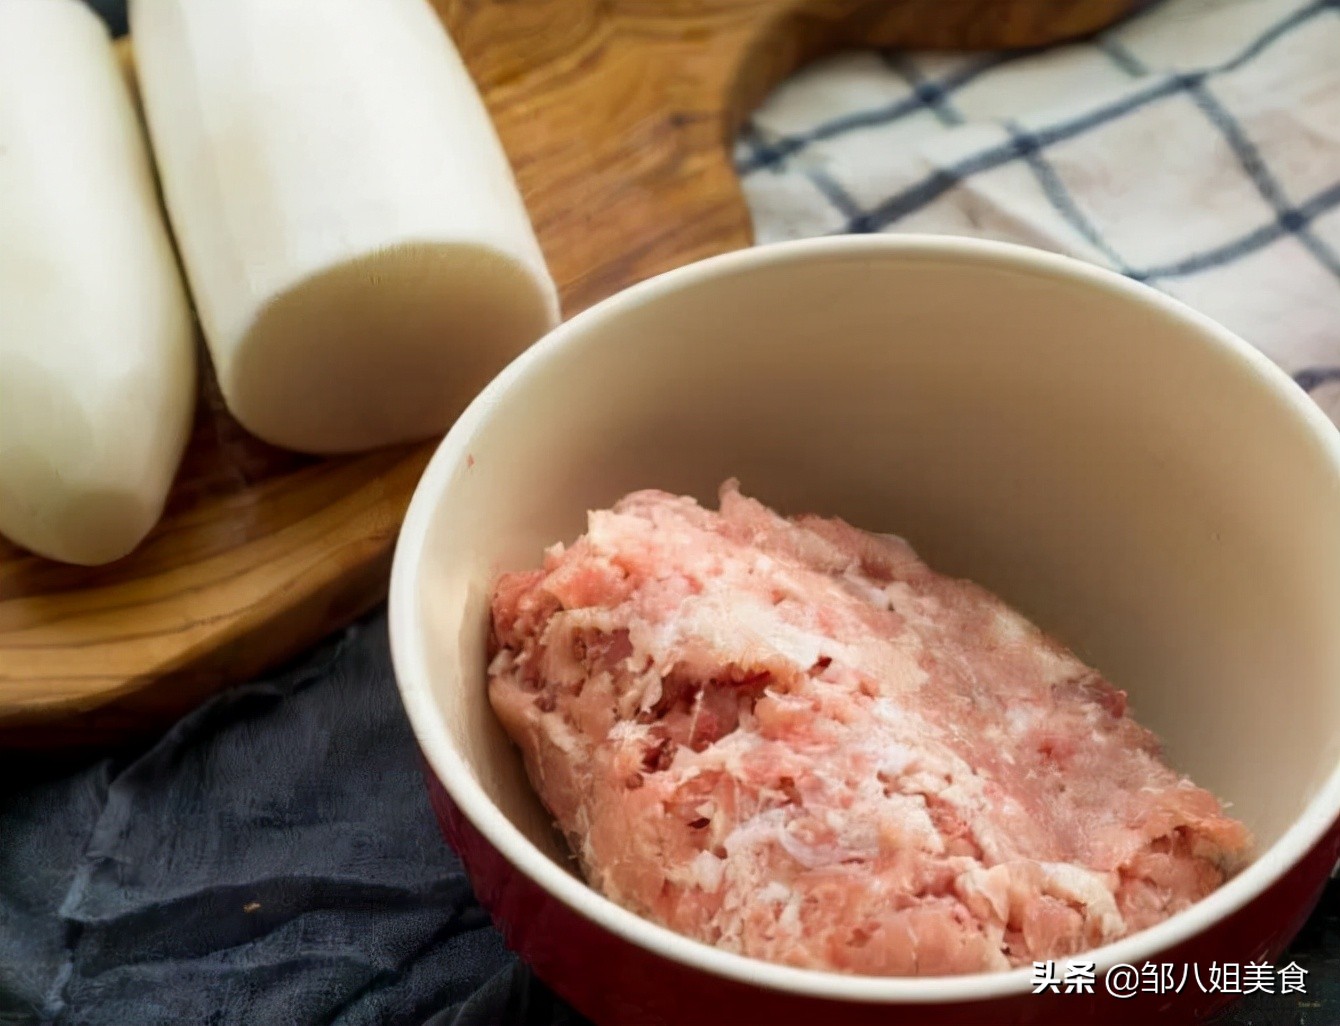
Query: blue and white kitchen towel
column 1195, row 147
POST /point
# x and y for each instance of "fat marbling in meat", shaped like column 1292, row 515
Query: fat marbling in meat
column 794, row 740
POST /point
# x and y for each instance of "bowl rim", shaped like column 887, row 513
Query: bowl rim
column 409, row 659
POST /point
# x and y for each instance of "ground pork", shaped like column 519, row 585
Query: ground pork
column 794, row 740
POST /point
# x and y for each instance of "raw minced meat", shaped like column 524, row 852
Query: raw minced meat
column 794, row 740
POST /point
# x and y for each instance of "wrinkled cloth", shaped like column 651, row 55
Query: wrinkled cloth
column 273, row 861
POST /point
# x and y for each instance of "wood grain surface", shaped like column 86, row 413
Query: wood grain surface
column 617, row 116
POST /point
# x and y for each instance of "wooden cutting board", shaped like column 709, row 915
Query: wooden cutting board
column 618, row 116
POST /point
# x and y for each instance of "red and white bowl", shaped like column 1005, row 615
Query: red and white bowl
column 1134, row 477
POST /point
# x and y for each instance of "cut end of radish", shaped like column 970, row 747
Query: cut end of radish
column 74, row 525
column 386, row 348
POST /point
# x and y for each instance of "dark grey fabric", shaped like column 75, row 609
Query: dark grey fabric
column 272, row 859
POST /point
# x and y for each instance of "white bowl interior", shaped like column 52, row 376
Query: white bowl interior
column 1119, row 469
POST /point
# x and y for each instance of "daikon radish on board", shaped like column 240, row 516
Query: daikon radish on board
column 97, row 355
column 356, row 245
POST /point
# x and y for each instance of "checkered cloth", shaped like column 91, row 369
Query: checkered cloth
column 1194, row 147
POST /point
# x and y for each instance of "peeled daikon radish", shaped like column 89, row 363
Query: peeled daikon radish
column 359, row 254
column 97, row 355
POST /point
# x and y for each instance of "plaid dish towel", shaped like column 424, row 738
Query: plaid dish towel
column 1194, row 147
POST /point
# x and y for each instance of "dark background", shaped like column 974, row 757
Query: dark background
column 113, row 11
column 272, row 860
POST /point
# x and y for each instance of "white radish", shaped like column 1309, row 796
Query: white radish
column 358, row 251
column 97, row 353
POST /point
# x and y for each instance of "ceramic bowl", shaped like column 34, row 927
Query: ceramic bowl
column 1132, row 476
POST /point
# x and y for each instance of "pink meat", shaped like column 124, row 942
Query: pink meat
column 794, row 740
